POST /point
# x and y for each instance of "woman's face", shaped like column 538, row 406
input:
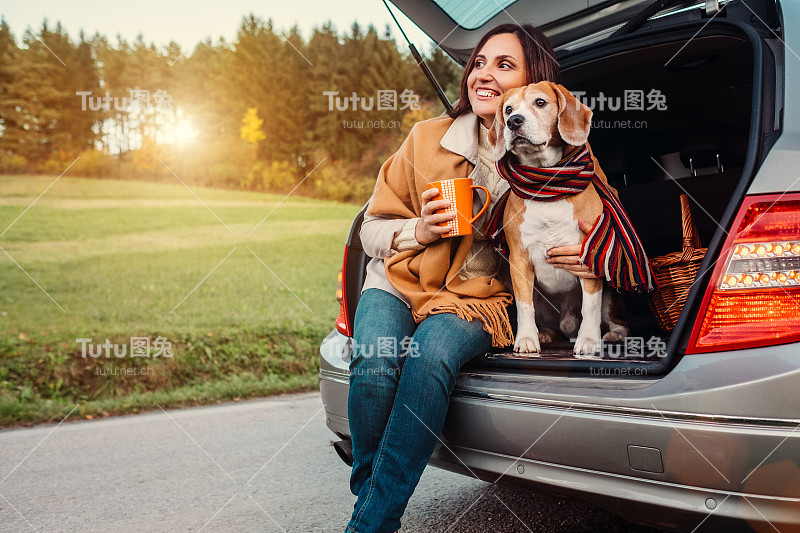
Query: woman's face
column 499, row 67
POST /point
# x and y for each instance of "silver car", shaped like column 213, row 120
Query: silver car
column 698, row 425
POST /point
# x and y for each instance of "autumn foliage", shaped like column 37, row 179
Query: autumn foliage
column 256, row 113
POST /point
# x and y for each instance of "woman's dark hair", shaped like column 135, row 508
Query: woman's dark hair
column 540, row 62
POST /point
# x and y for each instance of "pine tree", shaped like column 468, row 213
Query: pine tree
column 12, row 116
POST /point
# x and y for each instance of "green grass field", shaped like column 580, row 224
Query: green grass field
column 123, row 259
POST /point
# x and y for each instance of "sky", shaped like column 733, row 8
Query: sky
column 189, row 22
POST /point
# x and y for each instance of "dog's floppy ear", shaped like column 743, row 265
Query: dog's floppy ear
column 574, row 118
column 496, row 137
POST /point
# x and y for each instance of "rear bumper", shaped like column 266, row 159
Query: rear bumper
column 633, row 446
column 653, row 503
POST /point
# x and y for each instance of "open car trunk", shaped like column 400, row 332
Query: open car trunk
column 672, row 115
column 681, row 107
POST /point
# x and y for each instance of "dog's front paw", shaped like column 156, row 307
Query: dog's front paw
column 545, row 337
column 527, row 345
column 615, row 336
column 587, row 348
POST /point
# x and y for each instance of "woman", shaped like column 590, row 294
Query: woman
column 429, row 304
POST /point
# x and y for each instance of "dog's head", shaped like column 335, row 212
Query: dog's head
column 530, row 119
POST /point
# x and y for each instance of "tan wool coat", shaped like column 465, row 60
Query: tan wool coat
column 428, row 278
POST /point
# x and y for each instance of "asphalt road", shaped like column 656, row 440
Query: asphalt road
column 263, row 465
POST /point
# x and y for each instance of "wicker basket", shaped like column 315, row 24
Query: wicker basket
column 675, row 273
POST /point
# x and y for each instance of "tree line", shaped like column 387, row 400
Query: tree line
column 259, row 112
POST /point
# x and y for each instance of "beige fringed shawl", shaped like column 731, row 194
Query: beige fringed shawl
column 429, row 278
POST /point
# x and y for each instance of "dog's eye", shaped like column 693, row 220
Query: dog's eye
column 540, row 102
column 508, row 110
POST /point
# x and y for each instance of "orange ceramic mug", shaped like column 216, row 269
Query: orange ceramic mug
column 459, row 192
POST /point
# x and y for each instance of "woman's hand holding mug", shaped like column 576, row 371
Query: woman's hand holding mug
column 428, row 229
column 449, row 202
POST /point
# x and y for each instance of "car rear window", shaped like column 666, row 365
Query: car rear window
column 471, row 15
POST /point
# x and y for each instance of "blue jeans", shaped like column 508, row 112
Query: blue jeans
column 398, row 401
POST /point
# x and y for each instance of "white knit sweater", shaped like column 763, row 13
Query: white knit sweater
column 482, row 259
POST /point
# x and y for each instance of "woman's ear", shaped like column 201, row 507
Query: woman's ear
column 496, row 137
column 574, row 118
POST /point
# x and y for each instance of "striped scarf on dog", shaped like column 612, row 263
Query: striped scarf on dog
column 612, row 247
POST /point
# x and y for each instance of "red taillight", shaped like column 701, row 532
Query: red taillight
column 343, row 320
column 753, row 296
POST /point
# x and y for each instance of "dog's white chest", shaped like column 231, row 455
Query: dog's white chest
column 547, row 225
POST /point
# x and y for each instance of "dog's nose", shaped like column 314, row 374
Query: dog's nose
column 514, row 122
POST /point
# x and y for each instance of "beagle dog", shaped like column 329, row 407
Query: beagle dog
column 536, row 125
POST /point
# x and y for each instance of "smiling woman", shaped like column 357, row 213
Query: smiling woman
column 498, row 67
column 429, row 304
column 513, row 52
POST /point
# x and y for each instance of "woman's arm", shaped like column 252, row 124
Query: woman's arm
column 568, row 257
column 383, row 237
